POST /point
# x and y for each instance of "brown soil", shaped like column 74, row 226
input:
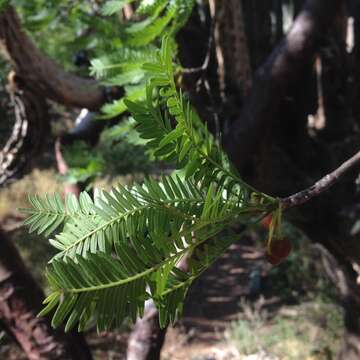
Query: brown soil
column 213, row 302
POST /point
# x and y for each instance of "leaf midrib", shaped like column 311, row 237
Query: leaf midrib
column 159, row 265
column 122, row 216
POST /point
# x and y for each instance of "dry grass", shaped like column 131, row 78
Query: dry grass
column 309, row 330
column 37, row 182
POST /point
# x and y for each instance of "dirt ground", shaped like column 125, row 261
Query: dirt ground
column 213, row 302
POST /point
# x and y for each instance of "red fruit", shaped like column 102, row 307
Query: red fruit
column 266, row 221
column 273, row 260
column 279, row 250
column 280, row 247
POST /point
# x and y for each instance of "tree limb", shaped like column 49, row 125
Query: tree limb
column 42, row 73
column 283, row 70
column 322, row 185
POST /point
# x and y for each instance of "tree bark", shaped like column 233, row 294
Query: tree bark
column 273, row 80
column 234, row 43
column 334, row 82
column 20, row 301
column 40, row 72
column 30, row 128
column 146, row 338
column 258, row 26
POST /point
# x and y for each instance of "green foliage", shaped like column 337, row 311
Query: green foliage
column 123, row 143
column 74, row 25
column 122, row 247
column 85, row 163
column 3, row 4
column 113, row 6
column 137, row 44
column 119, row 248
column 120, row 142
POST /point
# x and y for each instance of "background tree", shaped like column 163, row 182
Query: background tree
column 270, row 137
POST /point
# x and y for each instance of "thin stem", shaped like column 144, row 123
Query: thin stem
column 122, row 216
column 154, row 268
column 320, row 186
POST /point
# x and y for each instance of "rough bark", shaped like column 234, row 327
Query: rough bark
column 30, row 128
column 334, row 82
column 40, row 72
column 20, row 301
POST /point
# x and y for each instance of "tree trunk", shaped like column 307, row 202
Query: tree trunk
column 234, row 43
column 20, row 301
column 43, row 74
column 334, row 82
column 281, row 72
column 266, row 128
column 350, row 348
column 258, row 28
column 30, row 127
column 146, row 338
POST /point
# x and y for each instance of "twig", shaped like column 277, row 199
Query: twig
column 320, row 186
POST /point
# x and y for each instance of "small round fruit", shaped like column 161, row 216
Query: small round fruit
column 273, row 260
column 281, row 247
column 266, row 221
column 279, row 250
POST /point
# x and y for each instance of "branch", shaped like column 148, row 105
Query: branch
column 42, row 73
column 282, row 71
column 320, row 186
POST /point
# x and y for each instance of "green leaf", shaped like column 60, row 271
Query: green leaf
column 122, row 247
column 113, row 6
column 173, row 135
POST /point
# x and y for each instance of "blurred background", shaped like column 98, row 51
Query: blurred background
column 69, row 133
